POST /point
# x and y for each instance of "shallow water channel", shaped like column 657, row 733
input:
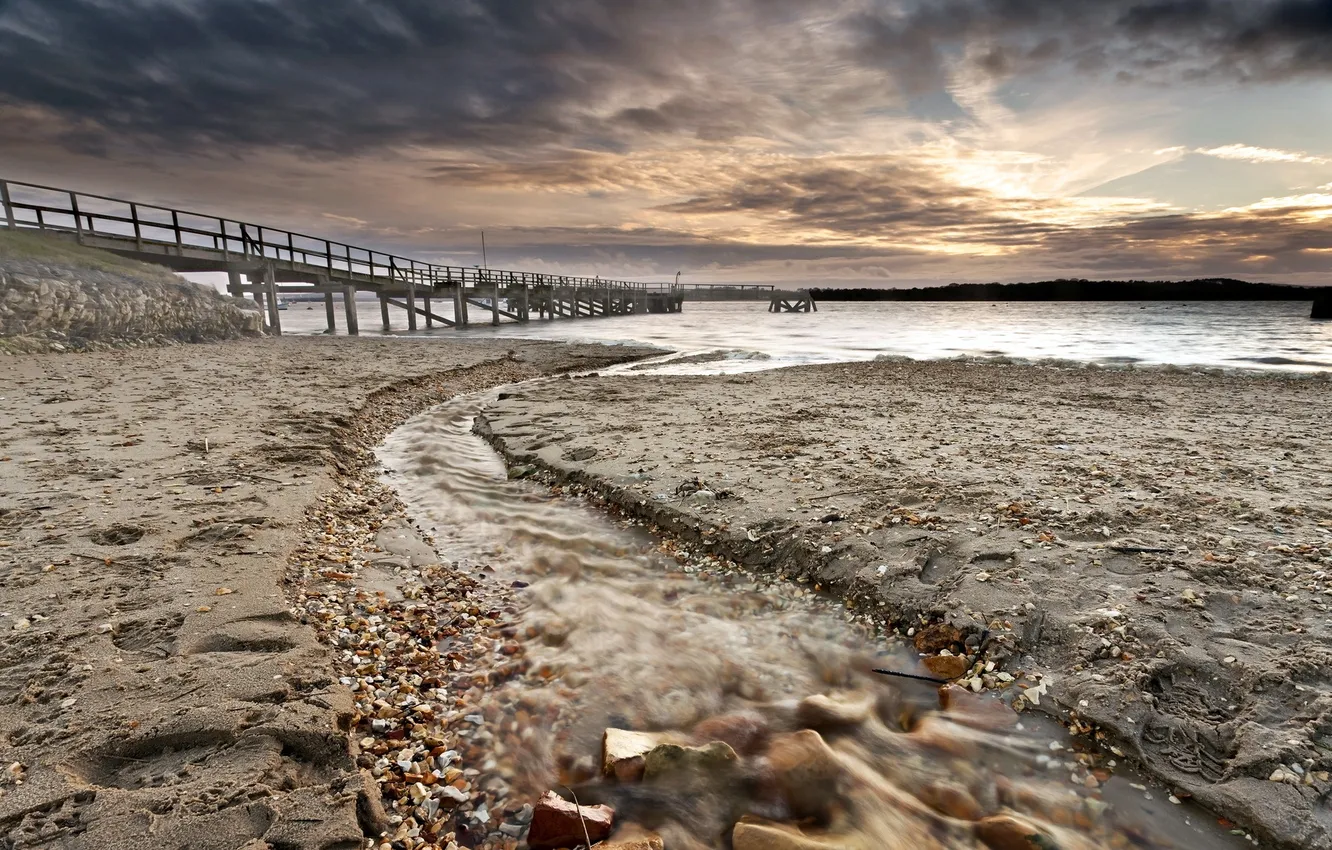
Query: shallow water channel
column 627, row 631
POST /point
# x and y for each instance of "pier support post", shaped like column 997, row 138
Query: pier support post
column 349, row 304
column 383, row 312
column 411, row 307
column 234, row 285
column 330, row 312
column 270, row 286
column 459, row 307
column 494, row 302
column 1322, row 305
column 430, row 318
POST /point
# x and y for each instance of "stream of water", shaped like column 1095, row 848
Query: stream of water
column 624, row 631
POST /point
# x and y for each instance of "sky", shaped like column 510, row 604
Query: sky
column 809, row 142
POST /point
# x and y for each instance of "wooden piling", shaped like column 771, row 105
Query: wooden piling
column 430, row 318
column 349, row 304
column 330, row 312
column 234, row 284
column 411, row 307
column 275, row 317
column 459, row 317
column 494, row 302
column 1322, row 305
column 383, row 312
column 270, row 284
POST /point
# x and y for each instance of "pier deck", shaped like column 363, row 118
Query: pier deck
column 266, row 263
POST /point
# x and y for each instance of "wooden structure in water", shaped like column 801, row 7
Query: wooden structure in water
column 1322, row 305
column 267, row 263
column 785, row 301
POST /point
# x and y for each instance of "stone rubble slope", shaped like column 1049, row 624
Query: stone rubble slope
column 56, row 295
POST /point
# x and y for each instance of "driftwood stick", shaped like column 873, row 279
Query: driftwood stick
column 911, row 676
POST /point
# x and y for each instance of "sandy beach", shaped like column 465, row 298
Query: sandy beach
column 161, row 509
column 219, row 628
column 1143, row 553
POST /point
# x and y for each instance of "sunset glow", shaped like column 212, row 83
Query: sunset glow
column 861, row 142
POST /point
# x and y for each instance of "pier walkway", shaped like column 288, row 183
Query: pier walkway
column 267, row 263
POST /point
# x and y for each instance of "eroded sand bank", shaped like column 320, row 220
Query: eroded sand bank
column 1148, row 549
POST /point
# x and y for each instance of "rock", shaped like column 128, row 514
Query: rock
column 622, row 752
column 806, row 772
column 747, row 732
column 580, row 454
column 1012, row 832
column 829, row 712
column 937, row 733
column 633, row 837
column 667, row 760
column 755, row 834
column 947, row 666
column 951, row 799
column 558, row 823
column 978, row 712
column 939, row 636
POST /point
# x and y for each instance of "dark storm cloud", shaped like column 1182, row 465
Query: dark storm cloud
column 350, row 74
column 867, row 202
column 1163, row 40
column 344, row 75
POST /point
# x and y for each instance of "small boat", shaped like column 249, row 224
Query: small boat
column 281, row 305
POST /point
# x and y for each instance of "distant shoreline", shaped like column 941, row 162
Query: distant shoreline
column 1204, row 289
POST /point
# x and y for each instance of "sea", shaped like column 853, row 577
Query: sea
column 742, row 336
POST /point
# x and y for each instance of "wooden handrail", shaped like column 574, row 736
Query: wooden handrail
column 375, row 265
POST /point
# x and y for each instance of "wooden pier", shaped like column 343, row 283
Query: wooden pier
column 799, row 301
column 266, row 263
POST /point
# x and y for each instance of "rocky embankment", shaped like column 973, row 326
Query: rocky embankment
column 56, row 295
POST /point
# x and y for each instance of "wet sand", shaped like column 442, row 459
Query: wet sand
column 1143, row 553
column 160, row 509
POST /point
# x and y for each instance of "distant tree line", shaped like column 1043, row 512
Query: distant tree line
column 1209, row 289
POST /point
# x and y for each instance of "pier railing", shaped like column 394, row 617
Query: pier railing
column 187, row 239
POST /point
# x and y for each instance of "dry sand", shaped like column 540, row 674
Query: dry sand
column 1149, row 547
column 155, row 688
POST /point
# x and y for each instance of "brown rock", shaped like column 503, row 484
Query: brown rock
column 947, row 666
column 622, row 752
column 939, row 636
column 1011, row 832
column 633, row 837
column 755, row 834
column 951, row 799
column 830, row 712
column 938, row 733
column 806, row 772
column 673, row 760
column 558, row 823
column 747, row 732
column 979, row 712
